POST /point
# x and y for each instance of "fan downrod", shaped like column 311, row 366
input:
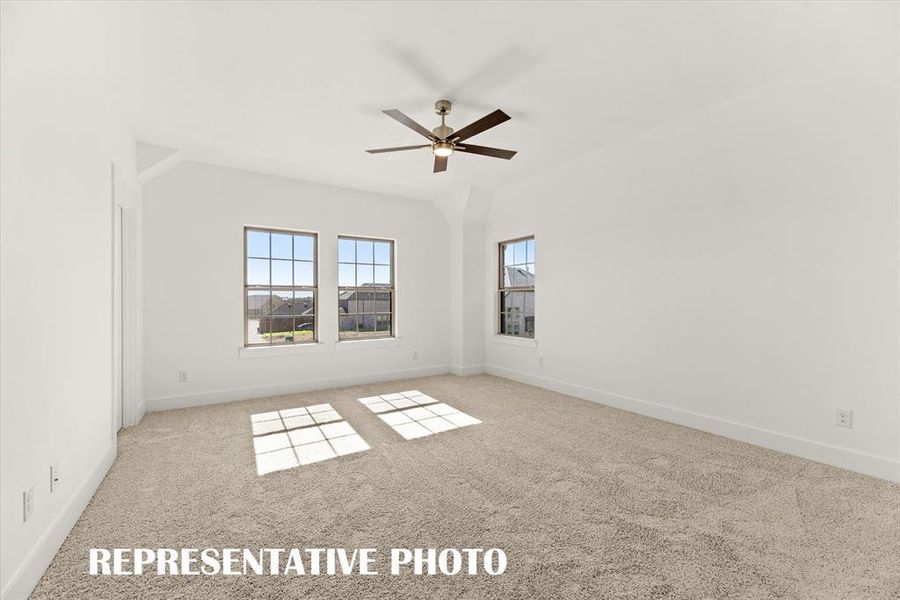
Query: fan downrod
column 442, row 108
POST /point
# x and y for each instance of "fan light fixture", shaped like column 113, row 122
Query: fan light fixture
column 442, row 148
column 443, row 141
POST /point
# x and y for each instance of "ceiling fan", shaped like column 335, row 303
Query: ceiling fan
column 444, row 141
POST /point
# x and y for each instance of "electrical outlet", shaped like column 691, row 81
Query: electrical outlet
column 540, row 361
column 182, row 376
column 415, row 355
column 54, row 478
column 843, row 418
column 27, row 503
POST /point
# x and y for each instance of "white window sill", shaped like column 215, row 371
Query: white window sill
column 344, row 345
column 286, row 350
column 511, row 340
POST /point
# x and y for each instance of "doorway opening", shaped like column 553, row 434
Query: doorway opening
column 125, row 342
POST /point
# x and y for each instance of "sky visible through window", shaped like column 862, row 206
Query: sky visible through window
column 365, row 288
column 291, row 259
column 280, row 287
column 517, row 288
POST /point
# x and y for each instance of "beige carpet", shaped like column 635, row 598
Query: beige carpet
column 587, row 502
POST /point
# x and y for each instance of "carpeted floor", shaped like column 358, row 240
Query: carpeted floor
column 587, row 502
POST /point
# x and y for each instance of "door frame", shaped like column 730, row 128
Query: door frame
column 118, row 347
column 126, row 321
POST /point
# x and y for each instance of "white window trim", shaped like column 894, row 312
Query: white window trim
column 394, row 285
column 513, row 340
column 285, row 350
column 502, row 338
column 314, row 287
column 372, row 344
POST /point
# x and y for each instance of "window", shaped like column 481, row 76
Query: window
column 279, row 287
column 517, row 287
column 365, row 288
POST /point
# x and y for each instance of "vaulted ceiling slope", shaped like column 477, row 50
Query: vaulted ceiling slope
column 296, row 89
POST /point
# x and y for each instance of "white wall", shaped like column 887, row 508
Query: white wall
column 453, row 207
column 194, row 216
column 58, row 135
column 735, row 270
column 465, row 211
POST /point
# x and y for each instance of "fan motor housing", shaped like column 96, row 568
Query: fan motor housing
column 442, row 131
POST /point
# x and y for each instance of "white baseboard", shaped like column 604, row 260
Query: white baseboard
column 867, row 464
column 41, row 555
column 248, row 393
column 466, row 371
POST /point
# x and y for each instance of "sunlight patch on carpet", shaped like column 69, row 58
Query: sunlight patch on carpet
column 413, row 414
column 389, row 402
column 304, row 435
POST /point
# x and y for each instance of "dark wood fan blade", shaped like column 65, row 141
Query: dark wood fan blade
column 486, row 151
column 440, row 164
column 399, row 116
column 397, row 149
column 482, row 124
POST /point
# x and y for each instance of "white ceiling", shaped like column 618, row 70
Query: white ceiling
column 296, row 89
